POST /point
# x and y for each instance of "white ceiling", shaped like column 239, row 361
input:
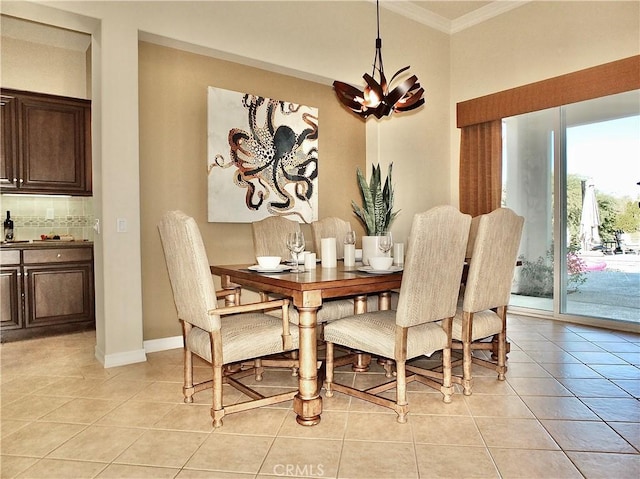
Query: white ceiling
column 448, row 16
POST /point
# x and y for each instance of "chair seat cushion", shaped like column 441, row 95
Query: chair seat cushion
column 485, row 324
column 375, row 333
column 244, row 336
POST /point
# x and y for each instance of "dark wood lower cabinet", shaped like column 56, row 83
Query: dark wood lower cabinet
column 11, row 316
column 48, row 291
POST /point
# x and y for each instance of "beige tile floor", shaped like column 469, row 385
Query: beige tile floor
column 569, row 408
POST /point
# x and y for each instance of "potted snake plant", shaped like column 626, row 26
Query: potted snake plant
column 376, row 213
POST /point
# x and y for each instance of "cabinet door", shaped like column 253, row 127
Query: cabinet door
column 8, row 146
column 54, row 144
column 57, row 294
column 10, row 297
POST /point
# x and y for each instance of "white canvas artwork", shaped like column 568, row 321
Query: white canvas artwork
column 262, row 158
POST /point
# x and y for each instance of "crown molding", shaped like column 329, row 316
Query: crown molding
column 438, row 22
column 420, row 15
column 485, row 13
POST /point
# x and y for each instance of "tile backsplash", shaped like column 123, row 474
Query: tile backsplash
column 36, row 215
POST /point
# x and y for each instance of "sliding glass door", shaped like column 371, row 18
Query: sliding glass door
column 572, row 172
column 529, row 153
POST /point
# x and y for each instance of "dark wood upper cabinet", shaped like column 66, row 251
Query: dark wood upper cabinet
column 8, row 146
column 46, row 144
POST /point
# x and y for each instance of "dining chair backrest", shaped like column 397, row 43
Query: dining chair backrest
column 493, row 260
column 433, row 266
column 188, row 266
column 270, row 236
column 330, row 227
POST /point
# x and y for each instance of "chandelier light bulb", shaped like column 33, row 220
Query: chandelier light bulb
column 372, row 100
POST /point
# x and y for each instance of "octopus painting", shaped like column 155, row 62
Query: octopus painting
column 263, row 158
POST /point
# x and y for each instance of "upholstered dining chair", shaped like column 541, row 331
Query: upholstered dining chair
column 330, row 227
column 270, row 236
column 334, row 227
column 483, row 313
column 220, row 335
column 428, row 295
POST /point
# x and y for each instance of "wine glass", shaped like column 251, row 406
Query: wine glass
column 386, row 242
column 295, row 243
column 350, row 237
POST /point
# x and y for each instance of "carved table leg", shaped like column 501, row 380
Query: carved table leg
column 307, row 404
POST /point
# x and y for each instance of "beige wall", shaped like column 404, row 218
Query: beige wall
column 416, row 142
column 173, row 159
column 37, row 67
column 536, row 41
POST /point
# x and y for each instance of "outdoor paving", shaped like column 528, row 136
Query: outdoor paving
column 611, row 293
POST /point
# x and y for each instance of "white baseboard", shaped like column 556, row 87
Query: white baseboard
column 140, row 355
column 120, row 359
column 163, row 344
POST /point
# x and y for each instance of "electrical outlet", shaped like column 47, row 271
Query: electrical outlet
column 121, row 225
column 50, row 214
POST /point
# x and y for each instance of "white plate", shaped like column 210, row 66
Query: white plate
column 278, row 269
column 369, row 269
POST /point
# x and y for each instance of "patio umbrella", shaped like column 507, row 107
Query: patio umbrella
column 590, row 218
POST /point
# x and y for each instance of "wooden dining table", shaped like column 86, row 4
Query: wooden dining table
column 307, row 291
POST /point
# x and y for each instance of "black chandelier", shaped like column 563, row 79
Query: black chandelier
column 376, row 99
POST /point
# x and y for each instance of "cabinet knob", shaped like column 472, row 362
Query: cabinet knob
column 59, row 255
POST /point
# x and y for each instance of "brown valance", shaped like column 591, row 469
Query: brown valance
column 607, row 79
column 480, row 119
